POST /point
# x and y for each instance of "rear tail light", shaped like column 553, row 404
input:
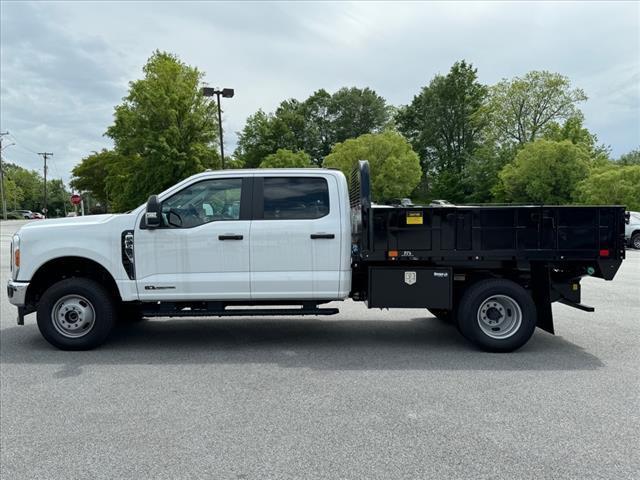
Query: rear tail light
column 604, row 252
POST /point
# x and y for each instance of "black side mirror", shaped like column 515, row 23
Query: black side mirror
column 153, row 217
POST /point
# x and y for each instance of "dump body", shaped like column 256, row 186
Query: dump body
column 545, row 248
column 571, row 237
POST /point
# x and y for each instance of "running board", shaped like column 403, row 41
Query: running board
column 579, row 306
column 240, row 312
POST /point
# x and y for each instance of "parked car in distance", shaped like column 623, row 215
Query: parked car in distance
column 440, row 203
column 26, row 214
column 14, row 216
column 632, row 230
column 400, row 202
column 38, row 216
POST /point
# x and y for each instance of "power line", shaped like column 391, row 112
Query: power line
column 19, row 144
column 53, row 164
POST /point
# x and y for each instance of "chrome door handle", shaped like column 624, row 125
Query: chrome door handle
column 317, row 236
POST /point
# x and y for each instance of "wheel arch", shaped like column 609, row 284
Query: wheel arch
column 61, row 268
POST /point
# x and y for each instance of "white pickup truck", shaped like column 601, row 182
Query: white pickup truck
column 286, row 241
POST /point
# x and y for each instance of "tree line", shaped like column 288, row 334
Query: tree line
column 24, row 190
column 520, row 140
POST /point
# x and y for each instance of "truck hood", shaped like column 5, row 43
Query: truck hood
column 68, row 221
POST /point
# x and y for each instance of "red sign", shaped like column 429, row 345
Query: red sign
column 76, row 199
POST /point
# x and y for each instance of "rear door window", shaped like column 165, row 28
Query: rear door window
column 295, row 198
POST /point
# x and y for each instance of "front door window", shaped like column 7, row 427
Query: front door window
column 203, row 202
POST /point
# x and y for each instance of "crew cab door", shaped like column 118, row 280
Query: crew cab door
column 201, row 250
column 295, row 237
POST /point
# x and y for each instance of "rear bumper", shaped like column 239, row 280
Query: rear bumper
column 17, row 292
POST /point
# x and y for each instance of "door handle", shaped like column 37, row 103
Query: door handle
column 230, row 237
column 317, row 236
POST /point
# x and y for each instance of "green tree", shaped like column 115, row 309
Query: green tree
column 395, row 167
column 58, row 198
column 25, row 191
column 615, row 185
column 120, row 184
column 520, row 109
column 631, row 158
column 354, row 112
column 286, row 159
column 13, row 194
column 544, row 172
column 262, row 135
column 480, row 176
column 30, row 184
column 91, row 174
column 313, row 125
column 166, row 127
column 444, row 126
column 573, row 129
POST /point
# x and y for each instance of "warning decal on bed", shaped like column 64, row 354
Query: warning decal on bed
column 414, row 218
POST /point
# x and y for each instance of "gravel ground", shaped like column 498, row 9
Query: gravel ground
column 361, row 395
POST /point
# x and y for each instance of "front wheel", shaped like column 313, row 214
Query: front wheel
column 76, row 314
column 497, row 315
column 635, row 241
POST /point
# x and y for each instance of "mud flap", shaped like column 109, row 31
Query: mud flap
column 540, row 285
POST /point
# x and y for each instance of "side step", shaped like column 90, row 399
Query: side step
column 579, row 306
column 238, row 312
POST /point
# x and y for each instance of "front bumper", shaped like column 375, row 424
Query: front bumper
column 17, row 292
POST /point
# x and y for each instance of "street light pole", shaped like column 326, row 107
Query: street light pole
column 226, row 93
column 220, row 128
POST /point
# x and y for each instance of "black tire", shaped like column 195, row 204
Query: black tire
column 441, row 314
column 89, row 296
column 635, row 240
column 488, row 311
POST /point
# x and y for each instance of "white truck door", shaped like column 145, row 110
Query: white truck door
column 295, row 237
column 201, row 251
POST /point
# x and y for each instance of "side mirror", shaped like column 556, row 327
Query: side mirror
column 153, row 217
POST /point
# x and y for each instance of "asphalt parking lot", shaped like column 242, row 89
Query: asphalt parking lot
column 361, row 395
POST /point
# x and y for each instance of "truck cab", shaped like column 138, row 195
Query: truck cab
column 265, row 235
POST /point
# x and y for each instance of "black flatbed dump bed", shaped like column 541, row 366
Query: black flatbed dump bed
column 546, row 249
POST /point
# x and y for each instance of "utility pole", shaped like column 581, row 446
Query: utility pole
column 45, row 155
column 4, row 201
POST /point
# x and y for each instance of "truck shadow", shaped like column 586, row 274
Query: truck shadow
column 416, row 344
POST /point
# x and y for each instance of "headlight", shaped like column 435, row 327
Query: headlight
column 15, row 256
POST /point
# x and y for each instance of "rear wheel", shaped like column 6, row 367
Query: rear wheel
column 635, row 240
column 497, row 315
column 76, row 314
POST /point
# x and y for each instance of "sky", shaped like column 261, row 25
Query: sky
column 65, row 65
